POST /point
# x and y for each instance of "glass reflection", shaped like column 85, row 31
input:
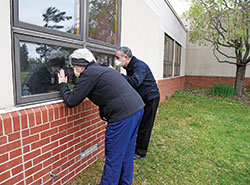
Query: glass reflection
column 103, row 20
column 40, row 64
column 105, row 60
column 62, row 15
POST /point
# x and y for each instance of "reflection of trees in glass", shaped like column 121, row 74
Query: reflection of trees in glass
column 24, row 55
column 103, row 20
column 52, row 17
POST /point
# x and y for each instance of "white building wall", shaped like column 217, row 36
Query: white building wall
column 201, row 62
column 6, row 77
column 143, row 25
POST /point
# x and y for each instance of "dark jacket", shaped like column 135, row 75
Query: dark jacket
column 107, row 89
column 141, row 78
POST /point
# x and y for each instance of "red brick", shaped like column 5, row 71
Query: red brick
column 10, row 164
column 67, row 164
column 66, row 178
column 21, row 183
column 66, row 139
column 47, row 178
column 51, row 112
column 26, row 149
column 48, row 133
column 59, row 163
column 31, row 117
column 67, row 152
column 56, row 111
column 1, row 126
column 42, row 173
column 24, row 119
column 4, row 158
column 39, row 128
column 81, row 144
column 25, row 133
column 59, row 149
column 38, row 182
column 16, row 121
column 79, row 133
column 72, row 118
column 7, row 123
column 4, row 176
column 10, row 147
column 32, row 155
column 28, row 165
column 79, row 121
column 65, row 127
column 74, row 129
column 3, row 140
column 14, row 136
column 58, row 122
column 74, row 154
column 38, row 116
column 85, row 136
column 29, row 180
column 17, row 169
column 16, row 153
column 49, row 147
column 51, row 160
column 14, row 180
column 44, row 112
column 58, row 136
column 40, row 143
column 75, row 141
column 30, row 139
column 41, row 158
column 33, row 170
column 61, row 110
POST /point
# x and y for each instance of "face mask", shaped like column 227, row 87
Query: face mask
column 119, row 63
column 77, row 74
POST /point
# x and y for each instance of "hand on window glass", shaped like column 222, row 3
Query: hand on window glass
column 61, row 77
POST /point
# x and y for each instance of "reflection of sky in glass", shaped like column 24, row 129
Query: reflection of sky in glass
column 31, row 11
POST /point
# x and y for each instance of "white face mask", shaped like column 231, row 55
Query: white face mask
column 77, row 74
column 119, row 63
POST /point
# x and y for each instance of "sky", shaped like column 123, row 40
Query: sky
column 179, row 5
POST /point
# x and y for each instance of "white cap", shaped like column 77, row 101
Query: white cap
column 83, row 53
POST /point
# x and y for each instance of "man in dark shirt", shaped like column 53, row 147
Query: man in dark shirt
column 141, row 78
column 118, row 103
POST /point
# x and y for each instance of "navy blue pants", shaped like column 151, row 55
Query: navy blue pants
column 120, row 149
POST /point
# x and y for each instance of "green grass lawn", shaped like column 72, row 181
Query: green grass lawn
column 195, row 140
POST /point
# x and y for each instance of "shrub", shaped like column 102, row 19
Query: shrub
column 223, row 90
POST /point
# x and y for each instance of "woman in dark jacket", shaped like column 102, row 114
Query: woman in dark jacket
column 119, row 104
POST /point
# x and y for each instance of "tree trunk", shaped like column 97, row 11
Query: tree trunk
column 240, row 76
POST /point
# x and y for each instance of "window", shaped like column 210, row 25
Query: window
column 168, row 57
column 46, row 32
column 103, row 21
column 177, row 59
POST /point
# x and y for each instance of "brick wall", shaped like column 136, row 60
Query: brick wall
column 199, row 82
column 169, row 86
column 37, row 141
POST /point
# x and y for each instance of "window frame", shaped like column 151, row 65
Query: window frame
column 177, row 61
column 37, row 97
column 168, row 63
column 20, row 24
column 95, row 41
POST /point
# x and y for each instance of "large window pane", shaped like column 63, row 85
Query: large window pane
column 168, row 57
column 62, row 15
column 40, row 64
column 105, row 60
column 103, row 20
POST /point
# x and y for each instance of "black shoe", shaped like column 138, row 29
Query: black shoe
column 138, row 157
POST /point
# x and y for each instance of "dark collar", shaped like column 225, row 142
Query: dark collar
column 131, row 63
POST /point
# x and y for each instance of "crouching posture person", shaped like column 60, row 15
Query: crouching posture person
column 119, row 104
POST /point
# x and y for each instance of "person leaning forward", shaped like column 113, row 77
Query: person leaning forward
column 119, row 104
column 141, row 78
